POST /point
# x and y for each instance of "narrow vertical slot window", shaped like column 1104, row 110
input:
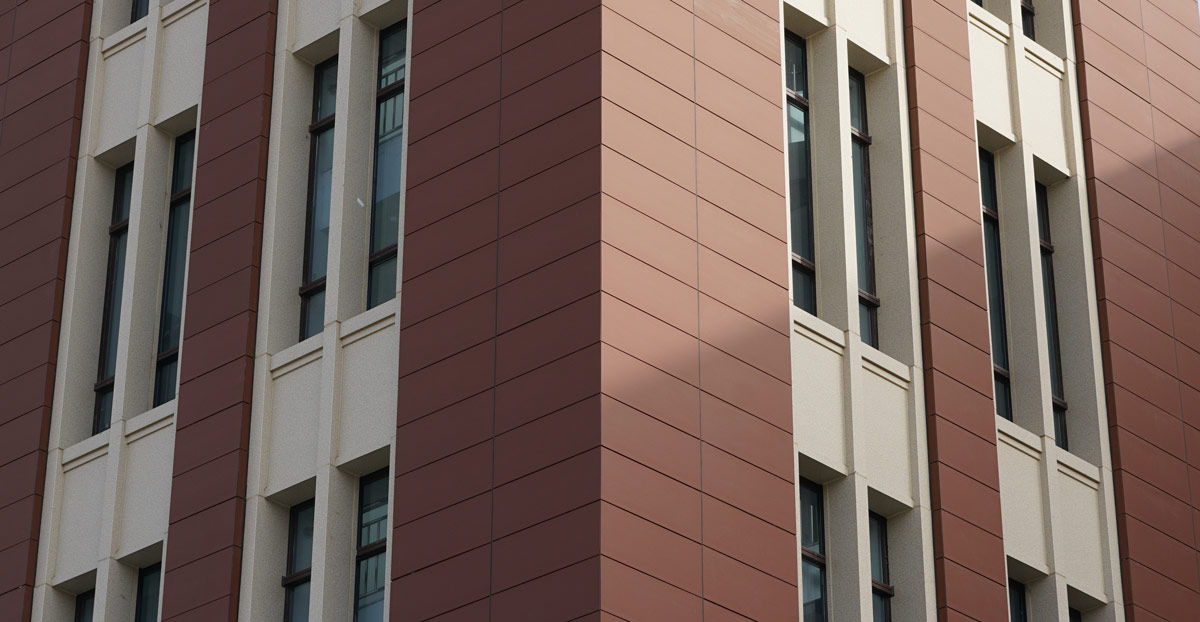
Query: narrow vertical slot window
column 812, row 548
column 1017, row 607
column 320, row 188
column 84, row 603
column 170, row 320
column 1074, row 615
column 881, row 586
column 868, row 299
column 110, row 328
column 995, row 284
column 371, row 571
column 804, row 268
column 389, row 166
column 149, row 579
column 138, row 10
column 298, row 580
column 1027, row 14
column 1053, row 343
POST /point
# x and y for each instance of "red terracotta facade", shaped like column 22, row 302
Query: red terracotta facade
column 963, row 471
column 43, row 62
column 572, row 435
column 1139, row 80
column 208, row 490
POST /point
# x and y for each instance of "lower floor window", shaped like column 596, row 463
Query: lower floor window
column 370, row 577
column 149, row 579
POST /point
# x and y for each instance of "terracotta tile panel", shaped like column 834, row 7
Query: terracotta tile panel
column 550, row 144
column 455, row 100
column 649, row 339
column 549, row 239
column 550, row 191
column 447, row 333
column 650, row 390
column 635, row 595
column 549, row 288
column 647, row 493
column 639, row 187
column 455, row 56
column 970, row 594
column 564, row 595
column 560, row 488
column 651, row 442
column 548, row 388
column 645, row 546
column 742, row 588
column 547, row 441
column 442, row 535
column 739, row 62
column 736, row 104
column 551, row 97
column 546, row 547
column 435, row 23
column 442, row 587
column 647, row 98
column 451, row 191
column 639, row 284
column 557, row 48
column 448, row 431
column 655, row 57
column 749, row 539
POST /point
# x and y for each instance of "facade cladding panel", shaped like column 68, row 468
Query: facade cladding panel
column 1139, row 82
column 43, row 61
column 965, row 485
column 201, row 573
column 580, row 351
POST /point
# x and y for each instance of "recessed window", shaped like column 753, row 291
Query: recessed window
column 84, row 604
column 881, row 585
column 110, row 328
column 138, row 10
column 1058, row 395
column 804, row 269
column 1017, row 606
column 298, row 580
column 1027, row 14
column 170, row 320
column 812, row 548
column 995, row 284
column 389, row 165
column 320, row 188
column 371, row 571
column 860, row 139
column 1074, row 615
column 149, row 579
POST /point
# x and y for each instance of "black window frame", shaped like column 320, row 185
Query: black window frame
column 295, row 577
column 1074, row 615
column 997, row 301
column 1053, row 333
column 311, row 287
column 868, row 293
column 85, row 606
column 804, row 268
column 365, row 552
column 1028, row 27
column 1018, row 602
column 114, row 285
column 179, row 212
column 881, row 585
column 377, row 257
column 818, row 559
column 143, row 573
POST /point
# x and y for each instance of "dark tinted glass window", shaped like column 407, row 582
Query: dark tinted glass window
column 812, row 548
column 170, row 321
column 1050, row 302
column 84, row 604
column 298, row 580
column 389, row 148
column 1017, row 611
column 804, row 275
column 138, row 10
column 147, row 594
column 868, row 300
column 320, row 190
column 371, row 575
column 995, row 279
column 1074, row 615
column 110, row 328
column 881, row 587
column 1027, row 18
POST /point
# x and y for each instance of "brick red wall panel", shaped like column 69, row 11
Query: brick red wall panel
column 204, row 543
column 43, row 62
column 1139, row 64
column 968, row 548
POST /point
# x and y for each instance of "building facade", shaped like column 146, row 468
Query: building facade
column 555, row 310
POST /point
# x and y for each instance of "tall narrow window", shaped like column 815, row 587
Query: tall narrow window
column 1058, row 394
column 170, row 319
column 84, row 603
column 370, row 575
column 389, row 150
column 110, row 329
column 995, row 284
column 868, row 300
column 1027, row 14
column 1017, row 608
column 298, row 580
column 804, row 268
column 147, row 594
column 812, row 547
column 138, row 10
column 320, row 187
column 1074, row 615
column 881, row 586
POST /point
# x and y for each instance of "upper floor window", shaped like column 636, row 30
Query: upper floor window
column 110, row 328
column 298, row 580
column 1074, row 615
column 389, row 166
column 1027, row 14
column 1058, row 394
column 138, row 10
column 995, row 284
column 812, row 548
column 868, row 298
column 84, row 603
column 804, row 269
column 149, row 579
column 1017, row 605
column 881, row 587
column 170, row 321
column 320, row 187
column 371, row 560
